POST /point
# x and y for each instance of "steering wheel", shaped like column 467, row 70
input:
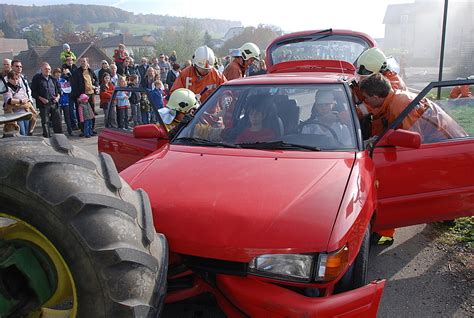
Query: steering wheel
column 320, row 124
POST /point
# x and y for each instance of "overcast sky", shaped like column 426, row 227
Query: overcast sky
column 292, row 15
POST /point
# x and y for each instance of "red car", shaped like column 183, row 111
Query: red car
column 268, row 197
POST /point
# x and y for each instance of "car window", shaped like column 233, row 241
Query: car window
column 322, row 47
column 451, row 116
column 301, row 115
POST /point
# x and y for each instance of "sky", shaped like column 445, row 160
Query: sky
column 293, row 15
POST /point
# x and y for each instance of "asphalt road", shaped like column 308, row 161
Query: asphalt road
column 421, row 277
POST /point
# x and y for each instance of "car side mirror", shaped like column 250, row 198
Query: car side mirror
column 150, row 131
column 401, row 138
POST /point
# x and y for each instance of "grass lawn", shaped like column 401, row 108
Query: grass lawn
column 464, row 115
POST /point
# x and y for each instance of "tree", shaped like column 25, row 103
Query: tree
column 184, row 40
column 68, row 27
column 114, row 26
column 34, row 37
column 8, row 30
column 261, row 36
column 207, row 39
column 48, row 34
column 2, row 35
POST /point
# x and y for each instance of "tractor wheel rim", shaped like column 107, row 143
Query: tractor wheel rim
column 12, row 228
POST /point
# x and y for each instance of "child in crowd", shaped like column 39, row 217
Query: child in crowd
column 123, row 104
column 106, row 91
column 134, row 99
column 156, row 97
column 86, row 114
column 67, row 53
column 145, row 108
column 63, row 79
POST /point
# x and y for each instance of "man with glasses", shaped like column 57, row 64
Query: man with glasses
column 164, row 68
column 17, row 68
column 105, row 69
column 47, row 91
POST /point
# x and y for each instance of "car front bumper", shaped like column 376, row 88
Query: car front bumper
column 257, row 298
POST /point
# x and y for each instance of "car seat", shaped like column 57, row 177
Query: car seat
column 288, row 112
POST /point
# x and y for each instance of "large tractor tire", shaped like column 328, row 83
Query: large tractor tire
column 75, row 239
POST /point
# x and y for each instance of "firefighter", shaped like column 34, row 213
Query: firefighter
column 179, row 110
column 243, row 58
column 387, row 106
column 200, row 77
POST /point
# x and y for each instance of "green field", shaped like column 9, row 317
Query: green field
column 133, row 28
column 464, row 115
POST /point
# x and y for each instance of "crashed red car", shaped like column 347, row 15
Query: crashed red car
column 279, row 224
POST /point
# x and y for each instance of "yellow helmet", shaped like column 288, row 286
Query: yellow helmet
column 182, row 100
column 371, row 61
column 249, row 50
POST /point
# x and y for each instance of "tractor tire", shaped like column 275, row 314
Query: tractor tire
column 102, row 229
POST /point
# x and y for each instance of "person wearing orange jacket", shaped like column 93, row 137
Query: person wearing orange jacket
column 243, row 58
column 388, row 104
column 201, row 77
column 373, row 61
column 461, row 91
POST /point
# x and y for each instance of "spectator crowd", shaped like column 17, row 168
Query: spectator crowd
column 58, row 94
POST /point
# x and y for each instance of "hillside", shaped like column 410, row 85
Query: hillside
column 21, row 16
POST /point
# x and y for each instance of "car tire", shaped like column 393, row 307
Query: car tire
column 356, row 276
column 101, row 230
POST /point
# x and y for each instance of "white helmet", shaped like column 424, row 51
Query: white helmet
column 249, row 50
column 182, row 100
column 371, row 61
column 204, row 57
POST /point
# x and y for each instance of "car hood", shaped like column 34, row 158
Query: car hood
column 235, row 204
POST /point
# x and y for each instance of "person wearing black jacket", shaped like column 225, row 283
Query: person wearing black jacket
column 46, row 91
column 172, row 75
column 84, row 81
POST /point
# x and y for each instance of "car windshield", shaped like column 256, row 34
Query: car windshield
column 305, row 117
column 321, row 47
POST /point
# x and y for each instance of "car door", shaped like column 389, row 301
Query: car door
column 122, row 145
column 436, row 181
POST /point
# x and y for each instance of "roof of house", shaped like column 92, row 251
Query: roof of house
column 127, row 40
column 13, row 45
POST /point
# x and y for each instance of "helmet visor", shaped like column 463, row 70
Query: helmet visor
column 363, row 71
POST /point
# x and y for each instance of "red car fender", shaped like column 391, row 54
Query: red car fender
column 260, row 299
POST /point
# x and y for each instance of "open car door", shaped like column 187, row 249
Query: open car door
column 435, row 181
column 126, row 146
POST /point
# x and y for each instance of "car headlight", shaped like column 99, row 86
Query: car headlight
column 295, row 267
column 322, row 267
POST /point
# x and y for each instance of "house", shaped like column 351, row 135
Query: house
column 132, row 43
column 415, row 29
column 11, row 47
column 32, row 58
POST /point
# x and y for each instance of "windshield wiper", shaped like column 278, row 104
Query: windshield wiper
column 205, row 142
column 277, row 145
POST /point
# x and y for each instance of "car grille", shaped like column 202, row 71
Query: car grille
column 215, row 266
